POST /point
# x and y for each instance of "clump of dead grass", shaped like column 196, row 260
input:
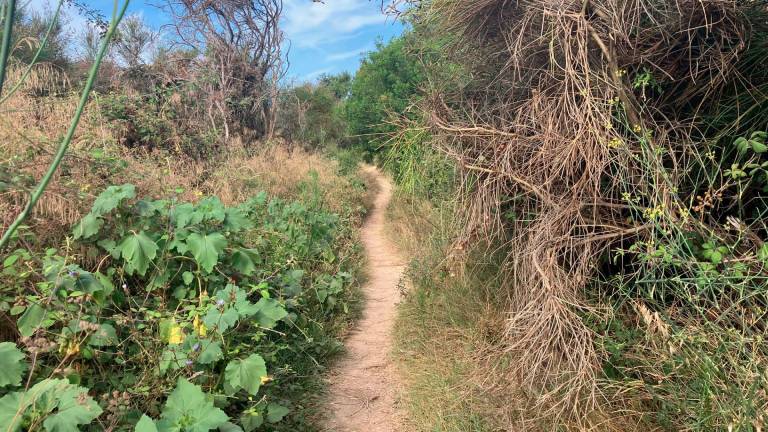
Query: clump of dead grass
column 551, row 134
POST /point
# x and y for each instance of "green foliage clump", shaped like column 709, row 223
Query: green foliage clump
column 384, row 88
column 312, row 114
column 229, row 311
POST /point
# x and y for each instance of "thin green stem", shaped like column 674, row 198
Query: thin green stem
column 5, row 48
column 64, row 145
column 39, row 52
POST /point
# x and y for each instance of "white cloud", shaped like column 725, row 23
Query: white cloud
column 313, row 24
column 315, row 74
column 350, row 54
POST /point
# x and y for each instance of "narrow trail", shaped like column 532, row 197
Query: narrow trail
column 362, row 394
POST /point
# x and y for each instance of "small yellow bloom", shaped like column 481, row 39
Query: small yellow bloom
column 72, row 348
column 615, row 143
column 199, row 327
column 265, row 379
column 175, row 335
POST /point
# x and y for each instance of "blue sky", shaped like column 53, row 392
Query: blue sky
column 323, row 38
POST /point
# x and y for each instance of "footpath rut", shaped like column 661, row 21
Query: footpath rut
column 363, row 385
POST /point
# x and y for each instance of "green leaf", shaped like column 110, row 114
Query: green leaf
column 758, row 147
column 762, row 254
column 12, row 409
column 206, row 249
column 88, row 227
column 104, row 336
column 111, row 198
column 230, row 427
column 187, row 277
column 243, row 261
column 188, row 409
column 145, row 424
column 138, row 251
column 64, row 407
column 716, row 257
column 236, row 220
column 246, row 374
column 184, row 215
column 210, row 352
column 211, row 209
column 31, row 320
column 276, row 412
column 221, row 321
column 172, row 358
column 12, row 364
column 251, row 421
column 742, row 144
column 270, row 311
column 75, row 408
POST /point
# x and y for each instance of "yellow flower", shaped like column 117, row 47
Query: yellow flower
column 199, row 327
column 175, row 335
column 72, row 348
column 265, row 379
column 615, row 143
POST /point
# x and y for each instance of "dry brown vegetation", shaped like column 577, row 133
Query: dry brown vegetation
column 96, row 160
column 560, row 145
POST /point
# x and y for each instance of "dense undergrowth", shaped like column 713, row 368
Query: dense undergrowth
column 150, row 289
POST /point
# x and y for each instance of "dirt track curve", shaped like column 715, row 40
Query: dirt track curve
column 363, row 386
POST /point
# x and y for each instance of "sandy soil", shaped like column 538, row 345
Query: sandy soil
column 363, row 386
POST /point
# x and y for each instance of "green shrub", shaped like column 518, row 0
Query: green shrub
column 228, row 311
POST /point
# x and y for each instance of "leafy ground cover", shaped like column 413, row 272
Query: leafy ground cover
column 168, row 314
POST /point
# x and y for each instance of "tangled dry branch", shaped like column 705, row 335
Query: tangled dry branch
column 549, row 126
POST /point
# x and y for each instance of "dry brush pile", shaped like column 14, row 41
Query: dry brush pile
column 616, row 147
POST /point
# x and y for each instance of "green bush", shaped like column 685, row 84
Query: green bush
column 227, row 311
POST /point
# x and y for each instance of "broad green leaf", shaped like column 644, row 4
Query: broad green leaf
column 270, row 311
column 63, row 406
column 188, row 409
column 243, row 261
column 184, row 215
column 206, row 249
column 211, row 209
column 75, row 408
column 230, row 427
column 235, row 220
column 210, row 352
column 111, row 198
column 145, row 424
column 221, row 321
column 276, row 412
column 758, row 147
column 251, row 421
column 12, row 364
column 31, row 320
column 138, row 251
column 88, row 227
column 246, row 374
column 104, row 336
column 12, row 410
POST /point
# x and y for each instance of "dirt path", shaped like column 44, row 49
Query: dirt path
column 362, row 386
